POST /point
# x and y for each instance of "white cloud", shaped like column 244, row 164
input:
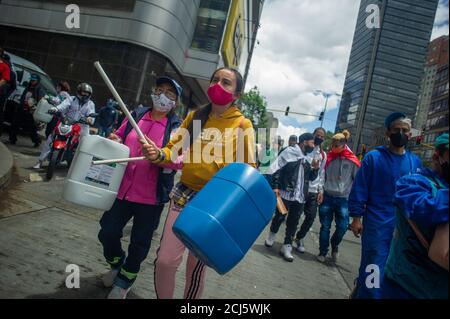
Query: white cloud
column 441, row 21
column 304, row 46
column 287, row 130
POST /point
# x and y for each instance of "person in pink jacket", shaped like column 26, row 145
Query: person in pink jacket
column 143, row 192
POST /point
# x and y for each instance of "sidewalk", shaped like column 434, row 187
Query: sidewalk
column 41, row 234
column 6, row 165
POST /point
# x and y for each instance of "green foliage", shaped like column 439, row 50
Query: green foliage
column 327, row 143
column 254, row 107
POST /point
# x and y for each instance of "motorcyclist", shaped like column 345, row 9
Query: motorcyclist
column 74, row 108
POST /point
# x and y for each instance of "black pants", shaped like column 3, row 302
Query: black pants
column 310, row 215
column 25, row 119
column 50, row 126
column 293, row 216
column 3, row 98
column 145, row 221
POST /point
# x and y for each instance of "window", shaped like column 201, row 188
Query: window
column 211, row 20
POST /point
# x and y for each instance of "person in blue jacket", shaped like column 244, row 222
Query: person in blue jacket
column 371, row 199
column 422, row 199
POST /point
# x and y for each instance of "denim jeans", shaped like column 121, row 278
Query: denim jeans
column 104, row 130
column 145, row 221
column 333, row 207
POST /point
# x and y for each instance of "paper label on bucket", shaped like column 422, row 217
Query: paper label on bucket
column 100, row 174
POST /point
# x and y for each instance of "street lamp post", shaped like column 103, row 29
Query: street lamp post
column 326, row 95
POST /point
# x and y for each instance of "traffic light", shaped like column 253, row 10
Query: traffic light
column 287, row 111
column 321, row 116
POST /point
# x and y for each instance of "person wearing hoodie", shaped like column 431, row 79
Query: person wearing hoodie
column 24, row 113
column 143, row 192
column 107, row 117
column 212, row 125
column 418, row 263
column 371, row 199
column 340, row 171
column 291, row 175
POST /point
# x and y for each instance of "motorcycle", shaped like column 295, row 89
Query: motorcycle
column 65, row 140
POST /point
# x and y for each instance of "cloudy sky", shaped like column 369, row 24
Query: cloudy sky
column 304, row 45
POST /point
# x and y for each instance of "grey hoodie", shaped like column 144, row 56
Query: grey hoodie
column 339, row 177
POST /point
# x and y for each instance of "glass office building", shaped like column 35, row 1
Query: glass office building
column 135, row 40
column 385, row 66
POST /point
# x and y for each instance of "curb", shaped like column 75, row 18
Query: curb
column 6, row 165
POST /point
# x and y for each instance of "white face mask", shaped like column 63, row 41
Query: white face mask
column 162, row 103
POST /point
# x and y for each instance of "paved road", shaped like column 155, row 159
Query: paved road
column 40, row 234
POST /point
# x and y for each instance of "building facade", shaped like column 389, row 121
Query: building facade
column 135, row 41
column 437, row 118
column 385, row 66
column 436, row 58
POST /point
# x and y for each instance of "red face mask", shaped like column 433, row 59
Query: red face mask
column 337, row 149
column 219, row 96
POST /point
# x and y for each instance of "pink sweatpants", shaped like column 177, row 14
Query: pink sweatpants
column 168, row 259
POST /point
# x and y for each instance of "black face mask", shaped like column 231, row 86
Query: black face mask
column 308, row 149
column 398, row 139
column 83, row 98
column 318, row 141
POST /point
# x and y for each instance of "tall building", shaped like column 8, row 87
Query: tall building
column 135, row 41
column 385, row 66
column 437, row 57
column 437, row 116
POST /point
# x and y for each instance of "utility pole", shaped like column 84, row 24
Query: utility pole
column 322, row 115
column 326, row 96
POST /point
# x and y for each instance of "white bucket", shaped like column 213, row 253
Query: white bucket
column 95, row 186
column 41, row 113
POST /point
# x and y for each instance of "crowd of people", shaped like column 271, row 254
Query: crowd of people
column 397, row 207
column 386, row 195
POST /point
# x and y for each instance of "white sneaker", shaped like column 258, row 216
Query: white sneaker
column 321, row 258
column 286, row 252
column 270, row 240
column 300, row 246
column 38, row 165
column 118, row 293
column 108, row 278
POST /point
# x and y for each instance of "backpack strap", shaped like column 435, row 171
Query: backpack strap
column 419, row 235
column 435, row 185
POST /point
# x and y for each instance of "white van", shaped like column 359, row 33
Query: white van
column 23, row 69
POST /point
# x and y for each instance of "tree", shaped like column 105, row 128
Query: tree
column 254, row 107
column 326, row 146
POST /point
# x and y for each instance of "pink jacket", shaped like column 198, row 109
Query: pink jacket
column 141, row 177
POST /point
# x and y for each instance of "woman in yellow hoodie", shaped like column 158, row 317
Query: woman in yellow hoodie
column 212, row 138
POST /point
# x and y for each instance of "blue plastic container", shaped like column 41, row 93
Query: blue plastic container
column 225, row 218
